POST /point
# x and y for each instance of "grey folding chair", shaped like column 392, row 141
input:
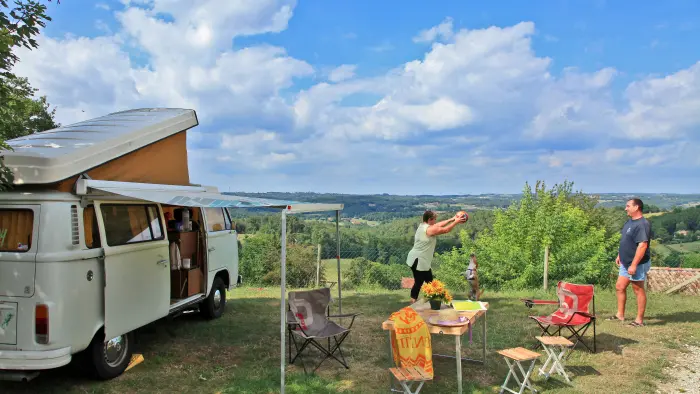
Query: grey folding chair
column 308, row 320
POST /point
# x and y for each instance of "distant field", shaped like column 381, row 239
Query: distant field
column 371, row 223
column 663, row 249
column 688, row 247
column 651, row 215
column 685, row 247
column 331, row 267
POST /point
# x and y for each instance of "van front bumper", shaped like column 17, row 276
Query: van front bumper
column 28, row 360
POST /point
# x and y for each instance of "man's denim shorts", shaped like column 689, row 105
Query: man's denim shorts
column 640, row 274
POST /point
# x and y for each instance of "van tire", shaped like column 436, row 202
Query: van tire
column 97, row 362
column 213, row 306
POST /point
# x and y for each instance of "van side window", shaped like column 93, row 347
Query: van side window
column 131, row 223
column 90, row 228
column 16, row 230
column 217, row 219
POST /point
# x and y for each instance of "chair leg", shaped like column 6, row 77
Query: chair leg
column 331, row 354
column 557, row 363
column 594, row 347
column 513, row 373
column 578, row 334
column 298, row 355
column 545, row 332
column 407, row 387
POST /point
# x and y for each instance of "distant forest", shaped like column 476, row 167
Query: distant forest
column 377, row 232
column 386, row 207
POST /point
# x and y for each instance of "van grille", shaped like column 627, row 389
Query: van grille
column 75, row 229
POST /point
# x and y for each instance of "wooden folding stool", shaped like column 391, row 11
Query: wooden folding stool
column 407, row 377
column 518, row 355
column 550, row 345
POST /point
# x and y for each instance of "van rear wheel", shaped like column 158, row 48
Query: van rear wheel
column 213, row 306
column 109, row 359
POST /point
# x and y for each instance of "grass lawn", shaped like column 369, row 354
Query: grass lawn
column 331, row 267
column 687, row 247
column 239, row 353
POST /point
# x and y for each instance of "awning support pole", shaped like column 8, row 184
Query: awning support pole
column 337, row 255
column 283, row 298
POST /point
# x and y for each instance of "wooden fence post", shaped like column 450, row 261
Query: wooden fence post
column 546, row 266
column 318, row 265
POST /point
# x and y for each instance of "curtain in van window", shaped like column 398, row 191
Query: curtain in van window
column 88, row 214
column 16, row 226
column 92, row 235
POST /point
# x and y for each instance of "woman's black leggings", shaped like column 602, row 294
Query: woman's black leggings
column 419, row 277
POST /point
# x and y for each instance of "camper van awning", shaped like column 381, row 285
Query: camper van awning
column 194, row 196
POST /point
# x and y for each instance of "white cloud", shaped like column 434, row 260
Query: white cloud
column 443, row 31
column 341, row 73
column 466, row 81
column 479, row 105
column 666, row 107
column 190, row 64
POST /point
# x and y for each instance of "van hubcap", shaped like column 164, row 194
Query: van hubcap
column 115, row 350
column 217, row 299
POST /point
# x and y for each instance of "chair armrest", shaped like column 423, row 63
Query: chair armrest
column 529, row 302
column 346, row 315
column 353, row 315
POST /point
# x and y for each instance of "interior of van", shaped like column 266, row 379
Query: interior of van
column 188, row 257
column 139, row 222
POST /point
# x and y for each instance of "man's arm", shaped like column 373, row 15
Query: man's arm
column 639, row 254
column 641, row 248
column 642, row 239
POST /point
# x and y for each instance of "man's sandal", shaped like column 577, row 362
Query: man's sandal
column 614, row 318
column 635, row 324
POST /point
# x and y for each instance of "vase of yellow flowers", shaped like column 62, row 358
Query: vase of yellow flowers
column 436, row 293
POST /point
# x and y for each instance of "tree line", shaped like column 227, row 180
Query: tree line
column 580, row 237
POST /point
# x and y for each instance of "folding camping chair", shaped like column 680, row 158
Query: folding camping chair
column 308, row 319
column 576, row 312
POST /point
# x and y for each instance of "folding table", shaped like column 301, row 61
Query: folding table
column 425, row 312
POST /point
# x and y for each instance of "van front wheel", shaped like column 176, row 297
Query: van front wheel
column 109, row 359
column 213, row 306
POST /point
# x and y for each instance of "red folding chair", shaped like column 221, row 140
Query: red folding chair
column 576, row 313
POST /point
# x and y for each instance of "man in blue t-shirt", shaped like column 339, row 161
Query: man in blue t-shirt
column 634, row 261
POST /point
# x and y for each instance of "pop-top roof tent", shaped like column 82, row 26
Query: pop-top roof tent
column 138, row 154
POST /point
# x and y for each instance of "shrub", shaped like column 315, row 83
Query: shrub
column 301, row 268
column 691, row 260
column 386, row 276
column 259, row 254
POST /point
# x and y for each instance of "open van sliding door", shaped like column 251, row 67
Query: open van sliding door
column 221, row 241
column 136, row 265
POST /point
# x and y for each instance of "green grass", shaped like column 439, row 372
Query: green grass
column 239, row 353
column 331, row 267
column 687, row 247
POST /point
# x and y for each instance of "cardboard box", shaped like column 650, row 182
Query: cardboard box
column 188, row 245
column 194, row 281
column 185, row 283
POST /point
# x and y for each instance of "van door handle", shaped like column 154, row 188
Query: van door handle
column 162, row 262
column 212, row 249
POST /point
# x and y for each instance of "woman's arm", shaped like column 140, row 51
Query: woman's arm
column 443, row 227
column 444, row 222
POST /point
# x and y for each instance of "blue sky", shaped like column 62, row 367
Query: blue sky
column 396, row 97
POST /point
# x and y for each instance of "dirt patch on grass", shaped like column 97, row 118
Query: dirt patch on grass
column 683, row 373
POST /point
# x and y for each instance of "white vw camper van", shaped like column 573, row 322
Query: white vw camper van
column 102, row 234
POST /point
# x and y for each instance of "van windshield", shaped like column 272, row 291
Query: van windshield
column 16, row 228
